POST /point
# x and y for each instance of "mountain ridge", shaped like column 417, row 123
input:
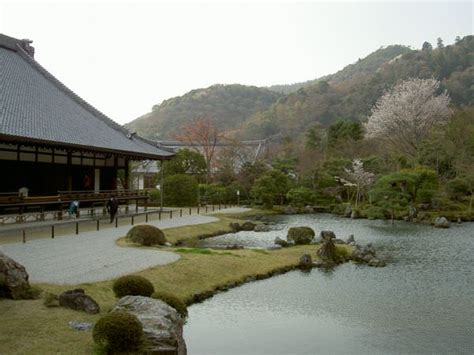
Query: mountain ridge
column 258, row 112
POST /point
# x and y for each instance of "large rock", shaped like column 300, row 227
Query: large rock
column 290, row 210
column 300, row 235
column 327, row 250
column 13, row 278
column 441, row 222
column 77, row 299
column 306, row 261
column 162, row 324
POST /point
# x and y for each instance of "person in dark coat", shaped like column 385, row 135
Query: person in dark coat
column 112, row 207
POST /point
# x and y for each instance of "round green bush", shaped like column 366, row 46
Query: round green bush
column 172, row 301
column 146, row 235
column 132, row 286
column 300, row 235
column 300, row 197
column 118, row 332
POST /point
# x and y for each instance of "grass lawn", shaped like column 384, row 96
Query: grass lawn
column 28, row 327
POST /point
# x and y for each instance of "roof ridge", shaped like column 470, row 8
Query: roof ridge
column 43, row 71
column 8, row 42
column 156, row 144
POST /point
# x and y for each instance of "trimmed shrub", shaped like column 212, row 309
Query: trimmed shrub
column 132, row 285
column 172, row 301
column 300, row 235
column 118, row 332
column 147, row 235
column 180, row 190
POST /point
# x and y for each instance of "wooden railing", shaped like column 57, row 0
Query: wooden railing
column 20, row 205
column 102, row 194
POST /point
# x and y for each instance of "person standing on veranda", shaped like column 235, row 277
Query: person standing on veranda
column 112, row 207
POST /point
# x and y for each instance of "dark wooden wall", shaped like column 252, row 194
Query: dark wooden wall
column 48, row 179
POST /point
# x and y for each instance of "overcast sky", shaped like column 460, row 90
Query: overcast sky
column 125, row 57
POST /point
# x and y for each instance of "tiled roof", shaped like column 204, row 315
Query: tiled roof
column 34, row 105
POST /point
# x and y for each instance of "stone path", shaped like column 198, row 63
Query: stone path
column 94, row 256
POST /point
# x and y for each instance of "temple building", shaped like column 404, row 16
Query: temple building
column 51, row 140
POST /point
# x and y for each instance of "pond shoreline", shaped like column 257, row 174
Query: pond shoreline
column 422, row 296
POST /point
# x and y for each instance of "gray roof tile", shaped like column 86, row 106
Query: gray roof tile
column 35, row 105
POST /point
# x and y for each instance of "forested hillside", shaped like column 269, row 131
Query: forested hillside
column 366, row 66
column 229, row 106
column 391, row 136
column 350, row 93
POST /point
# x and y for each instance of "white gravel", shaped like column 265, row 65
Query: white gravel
column 94, row 256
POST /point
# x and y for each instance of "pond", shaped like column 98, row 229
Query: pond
column 421, row 303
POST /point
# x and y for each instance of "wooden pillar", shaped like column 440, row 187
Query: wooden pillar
column 127, row 173
column 115, row 175
column 69, row 170
column 162, row 190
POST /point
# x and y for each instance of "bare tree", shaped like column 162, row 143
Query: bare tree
column 404, row 116
column 203, row 134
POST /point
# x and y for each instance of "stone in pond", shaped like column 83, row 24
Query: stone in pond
column 374, row 262
column 300, row 235
column 327, row 250
column 235, row 226
column 306, row 261
column 247, row 226
column 350, row 239
column 262, row 228
column 441, row 222
column 281, row 242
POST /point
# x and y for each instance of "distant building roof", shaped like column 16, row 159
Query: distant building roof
column 36, row 107
column 146, row 167
column 223, row 143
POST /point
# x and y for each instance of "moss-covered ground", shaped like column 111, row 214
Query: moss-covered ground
column 29, row 327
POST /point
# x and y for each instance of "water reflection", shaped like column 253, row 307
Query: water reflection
column 420, row 304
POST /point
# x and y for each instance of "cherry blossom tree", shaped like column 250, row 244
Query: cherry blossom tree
column 357, row 177
column 404, row 116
